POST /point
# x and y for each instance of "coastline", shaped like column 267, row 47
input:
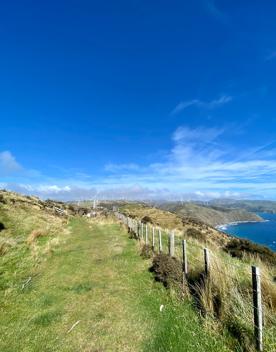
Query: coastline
column 223, row 227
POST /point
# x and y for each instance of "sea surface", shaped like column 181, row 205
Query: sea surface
column 259, row 232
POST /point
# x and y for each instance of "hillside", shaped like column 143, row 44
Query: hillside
column 211, row 215
column 70, row 282
column 225, row 297
column 256, row 206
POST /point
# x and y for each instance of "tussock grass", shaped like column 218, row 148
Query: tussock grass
column 29, row 236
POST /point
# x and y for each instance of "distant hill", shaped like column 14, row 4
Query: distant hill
column 212, row 215
column 256, row 206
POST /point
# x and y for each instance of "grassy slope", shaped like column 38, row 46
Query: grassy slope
column 172, row 221
column 209, row 215
column 231, row 277
column 96, row 277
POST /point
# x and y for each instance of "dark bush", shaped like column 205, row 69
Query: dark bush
column 238, row 247
column 196, row 234
column 72, row 207
column 132, row 234
column 2, row 226
column 147, row 219
column 2, row 199
column 167, row 270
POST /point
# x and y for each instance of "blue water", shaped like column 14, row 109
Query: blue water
column 260, row 232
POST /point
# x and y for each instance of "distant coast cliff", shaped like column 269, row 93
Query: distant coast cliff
column 211, row 215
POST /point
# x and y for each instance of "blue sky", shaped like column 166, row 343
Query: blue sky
column 138, row 99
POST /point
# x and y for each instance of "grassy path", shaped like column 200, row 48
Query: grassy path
column 98, row 284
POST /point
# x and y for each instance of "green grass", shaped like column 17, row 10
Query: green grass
column 97, row 280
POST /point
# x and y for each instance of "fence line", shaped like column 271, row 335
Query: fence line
column 134, row 226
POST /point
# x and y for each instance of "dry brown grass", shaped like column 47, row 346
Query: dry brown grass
column 34, row 235
column 155, row 216
column 26, row 220
column 226, row 296
column 268, row 290
column 3, row 248
column 171, row 221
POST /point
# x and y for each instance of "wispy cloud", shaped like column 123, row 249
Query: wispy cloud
column 8, row 164
column 213, row 104
column 196, row 135
column 200, row 164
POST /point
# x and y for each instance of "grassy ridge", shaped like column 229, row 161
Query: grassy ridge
column 96, row 280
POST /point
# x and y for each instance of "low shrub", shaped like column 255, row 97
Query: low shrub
column 147, row 219
column 240, row 247
column 2, row 199
column 167, row 270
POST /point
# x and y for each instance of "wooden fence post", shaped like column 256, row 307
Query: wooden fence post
column 147, row 239
column 206, row 261
column 137, row 229
column 153, row 238
column 160, row 241
column 171, row 244
column 257, row 306
column 184, row 255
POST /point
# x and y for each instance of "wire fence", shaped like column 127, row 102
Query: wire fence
column 247, row 280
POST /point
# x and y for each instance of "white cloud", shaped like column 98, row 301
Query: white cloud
column 213, row 104
column 54, row 189
column 199, row 165
column 8, row 164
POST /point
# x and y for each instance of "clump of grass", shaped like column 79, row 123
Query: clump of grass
column 46, row 318
column 211, row 297
column 241, row 332
column 81, row 288
column 268, row 289
column 225, row 295
column 6, row 244
column 34, row 235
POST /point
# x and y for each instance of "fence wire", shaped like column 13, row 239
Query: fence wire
column 239, row 273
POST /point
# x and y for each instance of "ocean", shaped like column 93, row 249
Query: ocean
column 259, row 232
